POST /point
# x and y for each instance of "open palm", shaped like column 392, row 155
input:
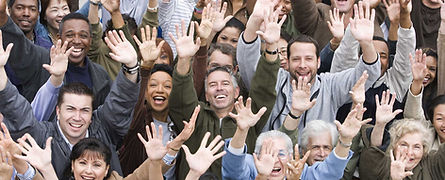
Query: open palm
column 34, row 155
column 362, row 26
column 266, row 160
column 384, row 113
column 4, row 54
column 148, row 49
column 185, row 46
column 153, row 147
column 301, row 96
column 59, row 59
column 245, row 117
column 121, row 49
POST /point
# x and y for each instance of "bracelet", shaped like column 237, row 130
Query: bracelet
column 131, row 70
column 174, row 149
column 168, row 159
column 95, row 3
column 198, row 10
column 343, row 144
column 293, row 116
column 152, row 9
column 271, row 53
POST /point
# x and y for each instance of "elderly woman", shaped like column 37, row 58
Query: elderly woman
column 410, row 144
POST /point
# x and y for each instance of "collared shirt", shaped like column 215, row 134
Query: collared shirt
column 64, row 137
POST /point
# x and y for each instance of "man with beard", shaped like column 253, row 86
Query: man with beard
column 25, row 68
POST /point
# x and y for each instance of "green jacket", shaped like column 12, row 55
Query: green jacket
column 183, row 100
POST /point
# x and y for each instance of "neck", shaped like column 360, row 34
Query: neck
column 30, row 35
column 53, row 33
column 430, row 4
column 223, row 112
column 160, row 116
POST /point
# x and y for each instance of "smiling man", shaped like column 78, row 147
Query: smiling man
column 25, row 68
column 25, row 13
column 76, row 119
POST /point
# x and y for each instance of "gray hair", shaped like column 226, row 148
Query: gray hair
column 313, row 129
column 273, row 134
column 223, row 69
column 406, row 126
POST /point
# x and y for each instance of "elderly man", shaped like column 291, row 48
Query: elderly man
column 76, row 118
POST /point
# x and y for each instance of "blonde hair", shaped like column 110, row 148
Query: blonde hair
column 406, row 126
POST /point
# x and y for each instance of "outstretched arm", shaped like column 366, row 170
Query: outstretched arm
column 383, row 115
column 363, row 31
column 122, row 51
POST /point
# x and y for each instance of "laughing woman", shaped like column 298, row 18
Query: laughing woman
column 156, row 84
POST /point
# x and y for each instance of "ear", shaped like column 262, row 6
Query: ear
column 107, row 168
column 237, row 89
column 235, row 69
column 57, row 112
column 318, row 63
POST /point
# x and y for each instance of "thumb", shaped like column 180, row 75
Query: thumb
column 226, row 19
column 186, row 150
column 48, row 143
column 260, row 33
column 338, row 124
column 48, row 68
column 407, row 173
column 261, row 111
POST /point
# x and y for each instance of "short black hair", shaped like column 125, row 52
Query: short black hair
column 434, row 103
column 162, row 67
column 74, row 88
column 378, row 38
column 129, row 21
column 89, row 145
column 430, row 52
column 73, row 15
column 303, row 39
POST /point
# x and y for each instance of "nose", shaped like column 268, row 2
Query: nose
column 89, row 170
column 27, row 12
column 77, row 115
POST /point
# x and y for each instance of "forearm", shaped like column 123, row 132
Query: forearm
column 239, row 138
column 192, row 175
column 21, row 166
column 442, row 27
column 341, row 150
column 49, row 173
column 155, row 170
column 116, row 18
column 377, row 134
column 416, row 87
column 291, row 123
column 183, row 66
column 93, row 13
column 393, row 29
column 56, row 81
column 405, row 20
column 253, row 25
column 369, row 53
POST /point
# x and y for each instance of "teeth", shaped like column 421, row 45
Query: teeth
column 276, row 169
column 220, row 96
column 158, row 98
column 77, row 50
column 76, row 125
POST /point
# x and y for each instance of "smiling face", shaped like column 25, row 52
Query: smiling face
column 382, row 49
column 303, row 61
column 74, row 115
column 220, row 90
column 77, row 33
column 344, row 6
column 229, row 35
column 56, row 10
column 320, row 147
column 25, row 13
column 89, row 166
column 412, row 145
column 431, row 65
column 158, row 90
column 279, row 168
column 287, row 8
column 439, row 121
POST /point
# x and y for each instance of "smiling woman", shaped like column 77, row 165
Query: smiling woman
column 51, row 14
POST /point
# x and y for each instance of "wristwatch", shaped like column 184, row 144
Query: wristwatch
column 131, row 70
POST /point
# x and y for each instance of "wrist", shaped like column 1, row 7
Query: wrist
column 345, row 140
column 296, row 112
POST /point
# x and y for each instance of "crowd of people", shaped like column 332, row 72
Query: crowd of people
column 222, row 89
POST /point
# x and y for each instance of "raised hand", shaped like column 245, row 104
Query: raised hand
column 121, row 49
column 362, row 26
column 153, row 147
column 261, row 6
column 6, row 168
column 33, row 154
column 295, row 167
column 336, row 25
column 418, row 66
column 245, row 117
column 398, row 165
column 352, row 124
column 111, row 5
column 406, row 7
column 4, row 54
column 185, row 134
column 358, row 90
column 185, row 47
column 217, row 14
column 6, row 141
column 59, row 59
column 204, row 29
column 204, row 157
column 301, row 96
column 393, row 10
column 271, row 33
column 266, row 160
column 148, row 49
column 384, row 113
